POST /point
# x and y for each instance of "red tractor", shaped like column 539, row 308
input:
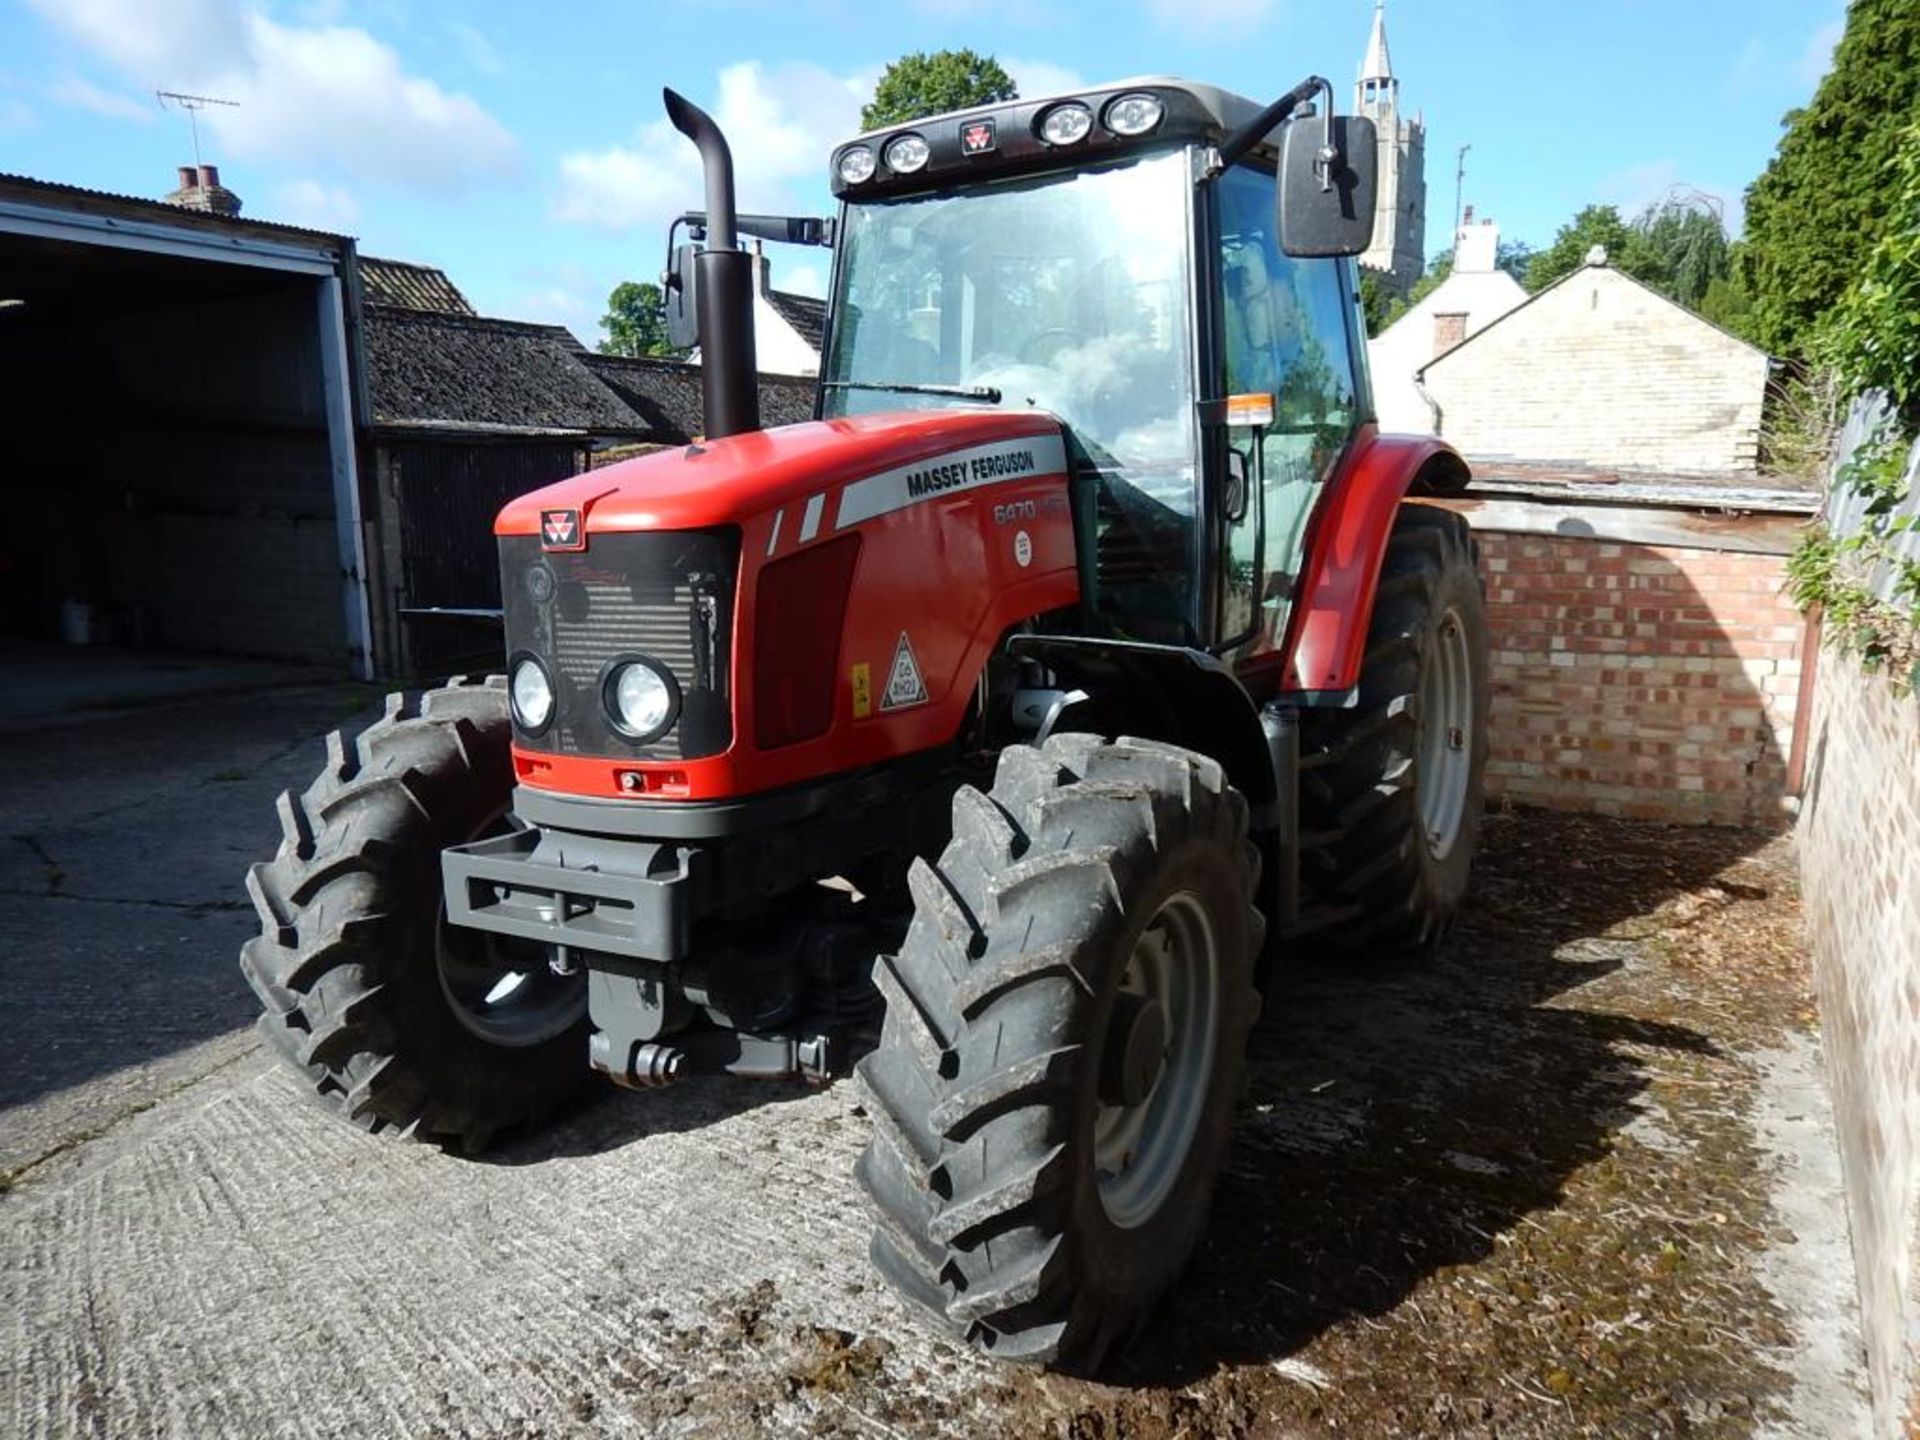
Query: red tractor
column 997, row 730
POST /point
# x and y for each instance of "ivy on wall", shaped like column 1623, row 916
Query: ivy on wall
column 1867, row 580
column 1867, row 589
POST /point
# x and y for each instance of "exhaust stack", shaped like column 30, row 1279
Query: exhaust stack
column 723, row 289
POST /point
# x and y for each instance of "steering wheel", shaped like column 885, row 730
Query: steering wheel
column 1042, row 345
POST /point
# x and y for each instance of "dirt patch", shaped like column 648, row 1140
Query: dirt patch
column 1512, row 1193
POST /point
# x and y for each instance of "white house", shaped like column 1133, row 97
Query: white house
column 1477, row 293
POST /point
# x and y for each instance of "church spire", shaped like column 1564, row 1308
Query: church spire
column 1377, row 91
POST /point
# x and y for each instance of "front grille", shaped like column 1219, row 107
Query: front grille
column 665, row 595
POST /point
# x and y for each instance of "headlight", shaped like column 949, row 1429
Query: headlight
column 1066, row 124
column 906, row 154
column 1134, row 114
column 642, row 700
column 856, row 164
column 532, row 695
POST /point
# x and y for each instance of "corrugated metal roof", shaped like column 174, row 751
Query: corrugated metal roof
column 28, row 189
column 1539, row 480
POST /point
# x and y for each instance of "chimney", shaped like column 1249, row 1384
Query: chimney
column 1476, row 249
column 200, row 189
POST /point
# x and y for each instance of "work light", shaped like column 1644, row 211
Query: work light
column 856, row 164
column 1066, row 124
column 1134, row 114
column 532, row 695
column 905, row 153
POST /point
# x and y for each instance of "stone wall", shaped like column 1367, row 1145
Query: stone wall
column 1860, row 864
column 1599, row 369
column 1651, row 681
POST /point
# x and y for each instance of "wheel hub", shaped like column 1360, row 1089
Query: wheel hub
column 1135, row 1051
column 1157, row 1060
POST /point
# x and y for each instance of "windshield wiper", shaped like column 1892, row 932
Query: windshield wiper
column 899, row 387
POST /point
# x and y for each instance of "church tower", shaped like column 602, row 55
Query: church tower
column 1398, row 252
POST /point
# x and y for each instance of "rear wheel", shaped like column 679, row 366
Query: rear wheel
column 1054, row 1086
column 1390, row 790
column 396, row 1018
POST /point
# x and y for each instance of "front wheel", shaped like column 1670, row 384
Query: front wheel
column 396, row 1018
column 1066, row 1025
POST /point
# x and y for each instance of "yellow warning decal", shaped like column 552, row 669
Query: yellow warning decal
column 862, row 690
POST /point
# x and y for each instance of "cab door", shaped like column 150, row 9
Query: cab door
column 1286, row 332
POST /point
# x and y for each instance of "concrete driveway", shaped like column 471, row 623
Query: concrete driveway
column 1576, row 1178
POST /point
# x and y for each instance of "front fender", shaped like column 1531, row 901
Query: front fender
column 1164, row 692
column 1327, row 631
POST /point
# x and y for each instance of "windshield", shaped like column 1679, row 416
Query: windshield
column 1066, row 293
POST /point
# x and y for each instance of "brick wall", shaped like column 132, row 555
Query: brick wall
column 1650, row 681
column 1860, row 876
column 1602, row 370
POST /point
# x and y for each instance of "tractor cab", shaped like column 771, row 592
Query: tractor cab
column 1097, row 257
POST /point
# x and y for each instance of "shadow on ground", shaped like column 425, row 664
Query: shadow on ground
column 1408, row 1121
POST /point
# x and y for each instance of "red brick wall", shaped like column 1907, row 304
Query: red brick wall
column 1647, row 681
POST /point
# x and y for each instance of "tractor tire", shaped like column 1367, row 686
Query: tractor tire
column 397, row 1020
column 1390, row 791
column 1066, row 1023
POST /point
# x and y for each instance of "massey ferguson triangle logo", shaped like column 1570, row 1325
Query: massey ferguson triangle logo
column 560, row 530
column 976, row 138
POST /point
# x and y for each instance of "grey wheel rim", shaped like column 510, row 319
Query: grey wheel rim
column 502, row 989
column 1443, row 779
column 1139, row 1151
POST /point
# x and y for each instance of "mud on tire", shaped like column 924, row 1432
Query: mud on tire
column 1384, row 858
column 986, row 1089
column 348, row 964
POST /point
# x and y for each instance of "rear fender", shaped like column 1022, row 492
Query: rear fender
column 1327, row 632
column 1163, row 692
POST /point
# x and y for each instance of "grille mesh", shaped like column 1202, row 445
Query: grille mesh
column 666, row 595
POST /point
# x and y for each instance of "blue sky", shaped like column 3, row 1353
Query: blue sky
column 521, row 145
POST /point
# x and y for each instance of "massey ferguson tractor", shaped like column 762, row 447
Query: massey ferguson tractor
column 996, row 733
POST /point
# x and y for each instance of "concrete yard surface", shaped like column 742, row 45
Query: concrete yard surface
column 1575, row 1177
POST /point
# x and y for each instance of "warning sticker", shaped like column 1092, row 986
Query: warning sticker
column 904, row 685
column 862, row 690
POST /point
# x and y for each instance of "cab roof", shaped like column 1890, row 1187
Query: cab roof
column 1194, row 114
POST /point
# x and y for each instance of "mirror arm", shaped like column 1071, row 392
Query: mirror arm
column 1236, row 145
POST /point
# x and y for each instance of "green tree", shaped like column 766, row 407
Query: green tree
column 921, row 84
column 1514, row 257
column 1595, row 225
column 1823, row 203
column 636, row 321
column 1872, row 337
column 1685, row 248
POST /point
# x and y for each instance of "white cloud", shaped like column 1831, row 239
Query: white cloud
column 1036, row 79
column 476, row 48
column 1210, row 15
column 799, row 279
column 318, row 207
column 81, row 94
column 324, row 95
column 557, row 305
column 15, row 115
column 780, row 122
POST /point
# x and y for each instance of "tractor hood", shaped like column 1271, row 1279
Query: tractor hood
column 722, row 482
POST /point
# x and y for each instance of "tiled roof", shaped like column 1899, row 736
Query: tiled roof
column 411, row 287
column 804, row 313
column 666, row 394
column 463, row 372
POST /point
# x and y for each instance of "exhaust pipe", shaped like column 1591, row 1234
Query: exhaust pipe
column 723, row 289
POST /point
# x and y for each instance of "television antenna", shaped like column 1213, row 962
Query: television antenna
column 193, row 105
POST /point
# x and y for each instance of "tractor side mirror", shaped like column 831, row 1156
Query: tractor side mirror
column 1328, row 174
column 683, row 319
